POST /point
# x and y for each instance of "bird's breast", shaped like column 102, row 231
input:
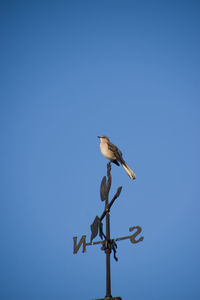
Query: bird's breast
column 106, row 152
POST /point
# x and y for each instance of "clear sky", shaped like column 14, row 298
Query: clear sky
column 72, row 70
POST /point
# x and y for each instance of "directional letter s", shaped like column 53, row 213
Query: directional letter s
column 133, row 236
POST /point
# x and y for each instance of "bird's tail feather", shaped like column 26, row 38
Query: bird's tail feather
column 128, row 170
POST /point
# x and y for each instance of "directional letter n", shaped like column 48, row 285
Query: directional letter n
column 82, row 241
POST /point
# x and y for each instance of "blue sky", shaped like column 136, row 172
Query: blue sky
column 72, row 70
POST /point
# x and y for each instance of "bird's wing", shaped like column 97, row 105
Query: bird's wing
column 116, row 151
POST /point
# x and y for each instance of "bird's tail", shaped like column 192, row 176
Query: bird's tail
column 128, row 170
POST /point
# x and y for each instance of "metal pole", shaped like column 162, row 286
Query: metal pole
column 108, row 277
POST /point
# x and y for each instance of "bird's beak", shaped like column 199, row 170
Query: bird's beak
column 98, row 136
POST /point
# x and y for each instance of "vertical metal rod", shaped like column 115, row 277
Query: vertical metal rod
column 108, row 277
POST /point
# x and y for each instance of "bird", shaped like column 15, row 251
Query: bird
column 111, row 152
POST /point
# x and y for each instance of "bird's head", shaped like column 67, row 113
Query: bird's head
column 103, row 138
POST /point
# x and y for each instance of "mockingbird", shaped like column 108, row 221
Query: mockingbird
column 111, row 152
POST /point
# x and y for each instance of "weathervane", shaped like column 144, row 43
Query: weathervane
column 108, row 244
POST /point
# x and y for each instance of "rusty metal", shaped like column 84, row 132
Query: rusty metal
column 108, row 244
